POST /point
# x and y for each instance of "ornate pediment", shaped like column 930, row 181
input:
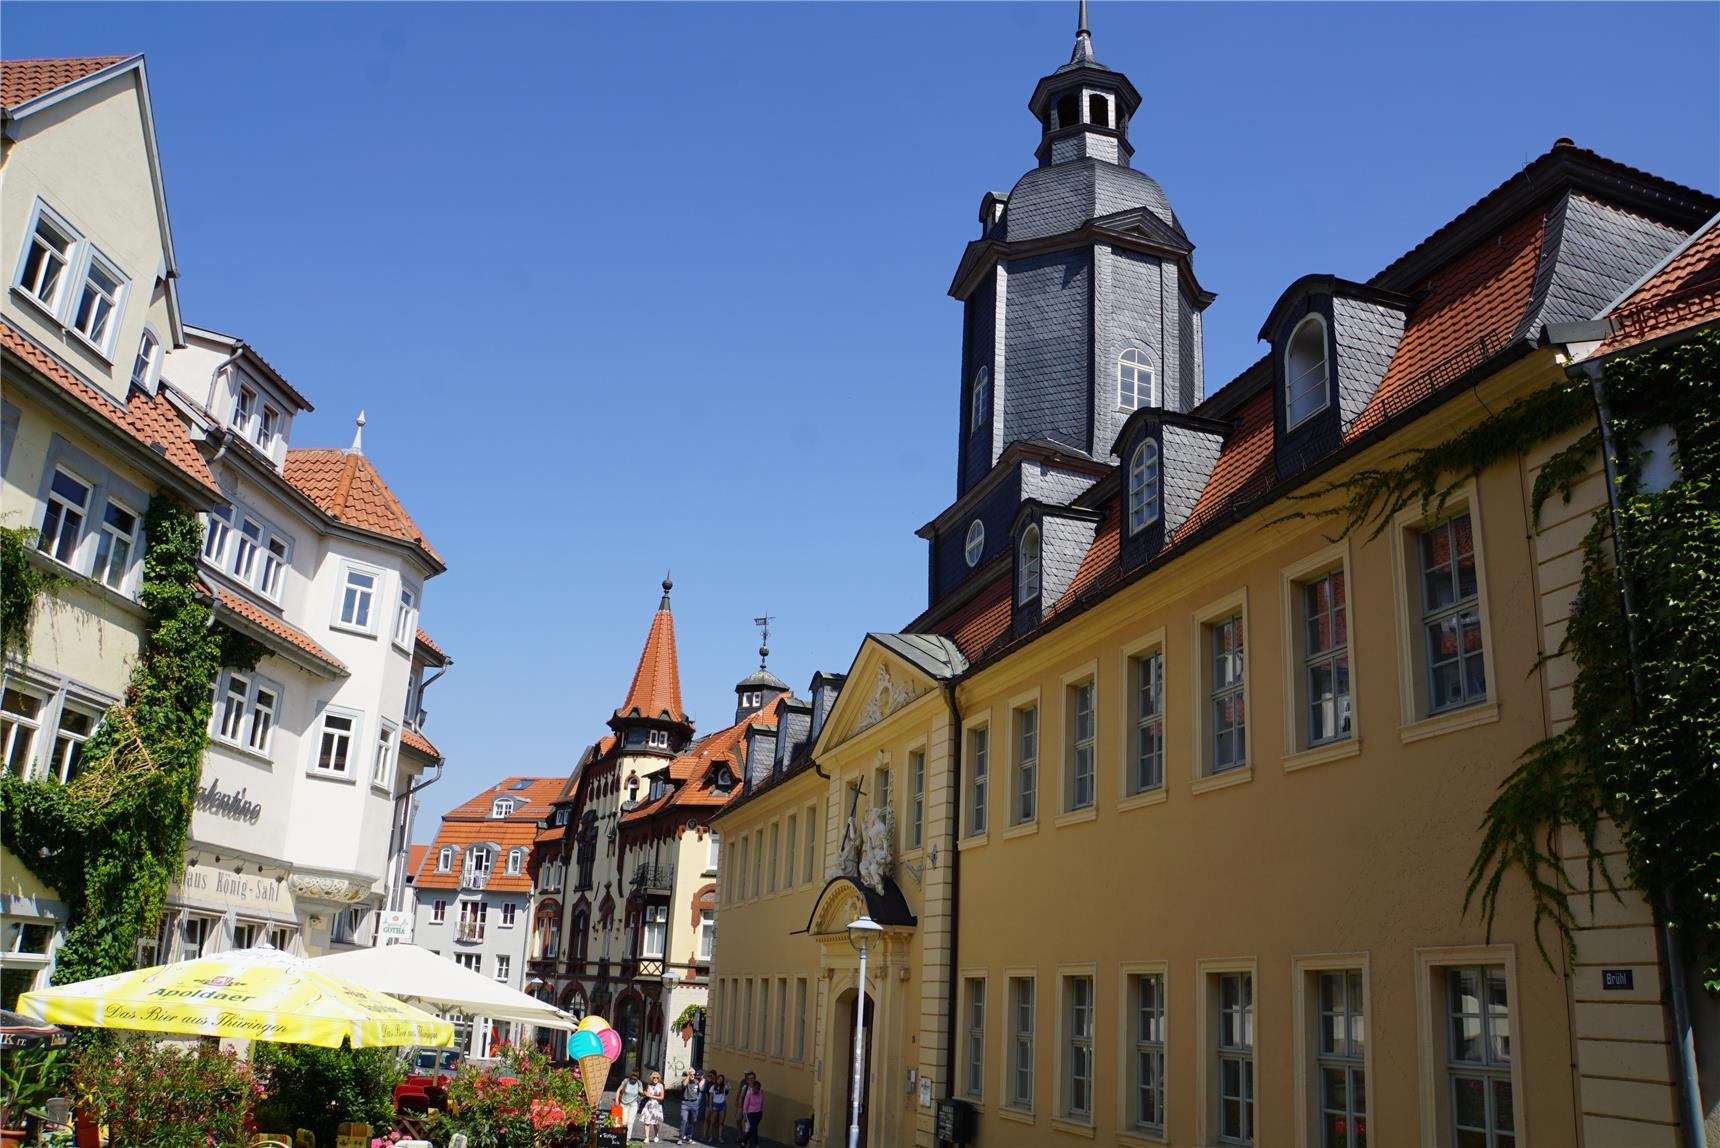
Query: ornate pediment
column 890, row 693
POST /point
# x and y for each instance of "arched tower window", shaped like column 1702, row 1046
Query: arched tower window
column 1098, row 110
column 1069, row 110
column 981, row 397
column 1135, row 381
column 1143, row 486
column 1027, row 566
column 1307, row 382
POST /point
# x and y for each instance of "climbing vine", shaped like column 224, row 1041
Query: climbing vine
column 1648, row 758
column 22, row 586
column 112, row 841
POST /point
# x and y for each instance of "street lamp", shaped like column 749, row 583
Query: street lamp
column 860, row 934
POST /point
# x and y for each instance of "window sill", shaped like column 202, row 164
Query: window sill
column 385, row 790
column 241, row 751
column 974, row 841
column 1072, row 1126
column 1076, row 816
column 1143, row 799
column 46, row 311
column 1320, row 754
column 1481, row 713
column 1141, row 1136
column 81, row 580
column 1019, row 1115
column 1224, row 780
column 1025, row 829
column 330, row 775
column 356, row 631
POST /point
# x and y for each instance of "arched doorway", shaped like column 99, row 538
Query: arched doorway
column 842, row 1053
column 627, row 1024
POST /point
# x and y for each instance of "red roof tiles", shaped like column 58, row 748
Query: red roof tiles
column 656, row 688
column 417, row 742
column 262, row 619
column 470, row 823
column 691, row 767
column 347, row 488
column 981, row 620
column 24, row 80
column 1682, row 293
column 429, row 643
column 415, row 860
column 152, row 422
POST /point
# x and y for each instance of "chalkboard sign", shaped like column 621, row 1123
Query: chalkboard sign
column 612, row 1138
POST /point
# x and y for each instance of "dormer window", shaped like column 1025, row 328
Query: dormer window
column 145, row 367
column 981, row 398
column 516, row 862
column 724, row 779
column 445, row 859
column 657, row 788
column 632, row 787
column 1307, row 382
column 974, row 547
column 658, row 739
column 267, row 427
column 244, row 408
column 1143, row 486
column 502, row 807
column 1027, row 566
column 1134, row 381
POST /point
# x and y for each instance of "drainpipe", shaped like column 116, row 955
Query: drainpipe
column 238, row 351
column 397, row 845
column 954, row 1010
column 1678, row 992
column 214, row 604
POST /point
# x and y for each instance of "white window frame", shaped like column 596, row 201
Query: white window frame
column 1029, row 569
column 1025, row 753
column 657, row 739
column 1139, row 1044
column 146, row 364
column 801, row 992
column 1080, row 782
column 1309, row 1061
column 980, row 399
column 69, row 258
column 790, row 848
column 1137, row 381
column 354, row 737
column 501, row 807
column 810, row 824
column 503, row 963
column 265, row 717
column 439, row 911
column 1018, row 1063
column 243, row 733
column 246, row 396
column 1077, row 1046
column 973, row 1005
column 654, row 919
column 1433, row 1031
column 916, row 798
column 1299, row 750
column 1208, row 1074
column 217, row 533
column 55, row 502
column 100, row 340
column 707, row 934
column 277, row 556
column 445, row 859
column 387, row 754
column 348, row 570
column 1295, row 374
column 268, row 426
column 976, row 812
column 775, row 866
column 109, row 539
column 1144, row 484
column 516, row 862
column 1207, row 623
column 69, row 743
column 406, row 616
column 973, row 545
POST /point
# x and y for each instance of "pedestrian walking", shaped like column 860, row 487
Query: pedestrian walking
column 628, row 1097
column 752, row 1109
column 690, row 1082
column 653, row 1109
column 716, row 1107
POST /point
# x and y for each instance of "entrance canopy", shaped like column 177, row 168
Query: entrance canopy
column 845, row 898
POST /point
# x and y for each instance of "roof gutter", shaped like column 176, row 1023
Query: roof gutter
column 215, row 373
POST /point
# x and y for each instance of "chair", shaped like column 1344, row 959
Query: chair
column 411, row 1100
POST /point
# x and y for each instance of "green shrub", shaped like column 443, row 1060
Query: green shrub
column 305, row 1086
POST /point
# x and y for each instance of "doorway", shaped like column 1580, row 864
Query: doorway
column 843, row 1054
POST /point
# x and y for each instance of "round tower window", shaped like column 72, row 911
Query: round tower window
column 975, row 542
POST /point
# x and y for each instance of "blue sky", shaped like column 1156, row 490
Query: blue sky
column 631, row 287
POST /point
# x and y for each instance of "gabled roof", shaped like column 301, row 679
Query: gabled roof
column 691, row 771
column 24, row 80
column 1682, row 292
column 470, row 824
column 656, row 688
column 415, row 855
column 348, row 488
column 148, row 420
column 265, row 626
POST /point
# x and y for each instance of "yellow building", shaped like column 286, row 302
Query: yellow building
column 1184, row 782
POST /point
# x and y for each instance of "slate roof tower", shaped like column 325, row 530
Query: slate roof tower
column 1080, row 306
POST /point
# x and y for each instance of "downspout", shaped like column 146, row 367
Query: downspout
column 238, row 351
column 402, row 827
column 1678, row 992
column 954, row 1010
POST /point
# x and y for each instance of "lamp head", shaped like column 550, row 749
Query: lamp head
column 862, row 931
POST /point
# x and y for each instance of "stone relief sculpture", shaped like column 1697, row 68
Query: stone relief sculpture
column 878, row 857
column 846, row 863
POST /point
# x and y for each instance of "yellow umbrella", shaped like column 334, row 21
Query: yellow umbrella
column 255, row 994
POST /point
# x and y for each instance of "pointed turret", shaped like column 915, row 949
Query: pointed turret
column 761, row 687
column 652, row 718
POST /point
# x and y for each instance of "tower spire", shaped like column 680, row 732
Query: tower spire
column 668, row 585
column 1083, row 38
column 655, row 692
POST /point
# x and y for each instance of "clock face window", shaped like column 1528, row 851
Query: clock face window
column 975, row 542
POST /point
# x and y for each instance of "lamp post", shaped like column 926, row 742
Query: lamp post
column 860, row 934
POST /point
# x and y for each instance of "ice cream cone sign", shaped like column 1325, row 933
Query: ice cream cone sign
column 591, row 1052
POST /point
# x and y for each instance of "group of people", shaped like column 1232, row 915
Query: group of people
column 704, row 1106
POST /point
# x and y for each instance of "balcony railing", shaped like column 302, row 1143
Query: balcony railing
column 474, row 878
column 469, row 931
column 654, row 878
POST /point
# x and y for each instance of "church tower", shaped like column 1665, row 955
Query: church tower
column 1080, row 306
column 651, row 720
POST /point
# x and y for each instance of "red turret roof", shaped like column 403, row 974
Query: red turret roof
column 656, row 688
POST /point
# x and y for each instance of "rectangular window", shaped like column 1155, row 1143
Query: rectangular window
column 382, row 772
column 1451, row 615
column 916, row 798
column 979, row 754
column 265, row 704
column 243, row 408
column 973, row 1050
column 800, row 1019
column 63, row 520
column 473, row 915
column 20, row 722
column 811, row 844
column 1025, row 807
column 1078, row 1047
column 438, row 911
column 1340, row 1044
column 116, row 544
column 740, row 892
column 1326, row 659
column 1147, row 1069
column 471, row 961
column 509, row 912
column 336, row 746
column 1149, row 687
column 1235, row 1058
column 781, row 1017
column 220, row 529
column 1478, row 1056
column 233, row 703
column 103, row 289
column 76, row 726
column 1228, row 721
column 405, row 617
column 245, row 554
column 1082, row 726
column 267, row 426
column 656, row 930
column 358, row 592
column 713, row 849
column 885, row 797
column 763, row 1035
column 1021, row 1043
column 775, row 852
column 790, row 838
column 43, row 272
column 707, row 933
column 758, row 864
column 275, row 558
column 503, row 961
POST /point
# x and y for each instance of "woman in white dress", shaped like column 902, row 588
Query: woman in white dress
column 652, row 1113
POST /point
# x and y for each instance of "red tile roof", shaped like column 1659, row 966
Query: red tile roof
column 981, row 620
column 1245, row 463
column 415, row 859
column 152, row 422
column 656, row 688
column 691, row 767
column 1100, row 557
column 1683, row 293
column 24, row 80
column 429, row 643
column 347, row 487
column 470, row 823
column 232, row 601
column 417, row 742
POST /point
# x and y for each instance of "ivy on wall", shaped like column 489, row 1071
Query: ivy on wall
column 112, row 841
column 22, row 586
column 1646, row 759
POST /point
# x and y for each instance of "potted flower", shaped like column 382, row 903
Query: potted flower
column 28, row 1077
